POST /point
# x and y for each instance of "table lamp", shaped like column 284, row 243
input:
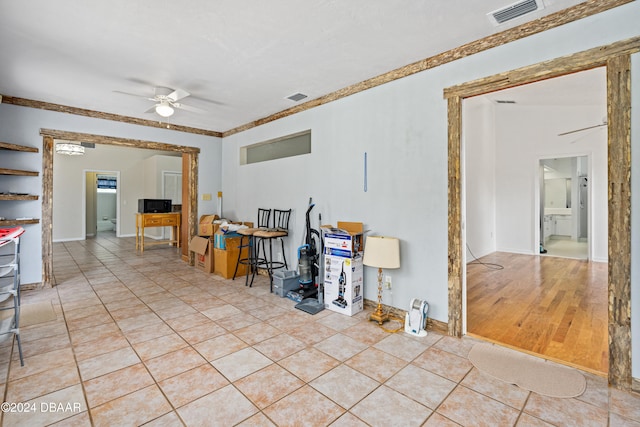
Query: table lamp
column 381, row 252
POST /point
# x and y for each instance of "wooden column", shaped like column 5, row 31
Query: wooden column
column 619, row 143
column 189, row 203
column 47, row 212
column 455, row 218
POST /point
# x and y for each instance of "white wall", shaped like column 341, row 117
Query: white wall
column 479, row 166
column 524, row 136
column 68, row 180
column 403, row 127
column 154, row 166
column 503, row 145
column 21, row 125
column 153, row 180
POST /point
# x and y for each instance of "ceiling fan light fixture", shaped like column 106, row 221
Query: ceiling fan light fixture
column 164, row 109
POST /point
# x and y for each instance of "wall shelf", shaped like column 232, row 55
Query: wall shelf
column 15, row 196
column 19, row 197
column 15, row 147
column 18, row 172
column 14, row 222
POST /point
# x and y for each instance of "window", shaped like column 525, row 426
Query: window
column 287, row 146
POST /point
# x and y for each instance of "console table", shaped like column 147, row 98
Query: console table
column 144, row 220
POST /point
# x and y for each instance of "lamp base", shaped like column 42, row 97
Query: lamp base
column 379, row 316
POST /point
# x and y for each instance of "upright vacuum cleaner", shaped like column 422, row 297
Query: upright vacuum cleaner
column 312, row 300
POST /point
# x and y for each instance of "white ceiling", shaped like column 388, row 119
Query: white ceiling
column 239, row 60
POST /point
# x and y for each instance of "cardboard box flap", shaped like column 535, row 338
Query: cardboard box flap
column 208, row 219
column 351, row 228
column 199, row 245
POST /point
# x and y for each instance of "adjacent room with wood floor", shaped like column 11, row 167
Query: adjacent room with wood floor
column 551, row 306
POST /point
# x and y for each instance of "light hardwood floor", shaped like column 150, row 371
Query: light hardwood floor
column 554, row 307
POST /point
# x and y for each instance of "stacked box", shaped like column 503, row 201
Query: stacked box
column 225, row 260
column 223, row 239
column 346, row 240
column 343, row 284
column 342, row 269
column 208, row 225
column 216, row 250
column 203, row 249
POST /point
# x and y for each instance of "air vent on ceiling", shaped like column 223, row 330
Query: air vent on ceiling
column 515, row 10
column 297, row 97
column 505, row 101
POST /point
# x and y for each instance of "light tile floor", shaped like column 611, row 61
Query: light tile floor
column 148, row 340
column 566, row 248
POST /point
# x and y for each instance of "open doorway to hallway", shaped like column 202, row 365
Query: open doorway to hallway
column 555, row 307
column 564, row 206
column 101, row 202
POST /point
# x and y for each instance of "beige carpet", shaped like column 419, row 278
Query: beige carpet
column 39, row 312
column 527, row 372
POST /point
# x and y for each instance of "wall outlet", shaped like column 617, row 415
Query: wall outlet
column 387, row 281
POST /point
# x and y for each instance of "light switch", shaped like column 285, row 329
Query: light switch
column 206, row 196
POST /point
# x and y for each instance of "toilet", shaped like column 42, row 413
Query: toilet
column 114, row 222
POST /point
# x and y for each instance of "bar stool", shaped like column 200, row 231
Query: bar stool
column 279, row 230
column 251, row 260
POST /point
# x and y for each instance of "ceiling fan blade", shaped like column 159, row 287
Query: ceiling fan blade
column 210, row 101
column 134, row 94
column 188, row 107
column 582, row 129
column 177, row 95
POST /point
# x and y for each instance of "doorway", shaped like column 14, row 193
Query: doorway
column 564, row 207
column 190, row 186
column 616, row 57
column 101, row 205
column 512, row 296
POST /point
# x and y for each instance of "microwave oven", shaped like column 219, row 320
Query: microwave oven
column 154, row 205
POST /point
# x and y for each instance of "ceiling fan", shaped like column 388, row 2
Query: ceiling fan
column 166, row 100
column 604, row 123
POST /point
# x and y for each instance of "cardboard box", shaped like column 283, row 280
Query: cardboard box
column 343, row 284
column 345, row 240
column 203, row 248
column 206, row 226
column 222, row 240
column 225, row 262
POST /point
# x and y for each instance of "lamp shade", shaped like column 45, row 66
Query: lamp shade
column 164, row 109
column 382, row 252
